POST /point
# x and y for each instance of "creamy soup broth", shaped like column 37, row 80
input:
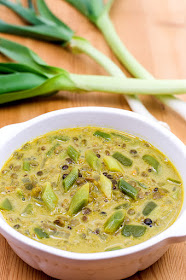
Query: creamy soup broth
column 89, row 190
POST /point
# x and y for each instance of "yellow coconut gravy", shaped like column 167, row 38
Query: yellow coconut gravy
column 89, row 190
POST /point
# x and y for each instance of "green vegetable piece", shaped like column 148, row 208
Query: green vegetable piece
column 128, row 189
column 151, row 161
column 142, row 185
column 102, row 134
column 79, row 200
column 133, row 230
column 121, row 136
column 49, row 197
column 173, row 181
column 113, row 248
column 122, row 159
column 26, row 165
column 73, row 154
column 112, row 164
column 70, row 179
column 62, row 138
column 176, row 194
column 122, row 206
column 114, row 221
column 28, row 210
column 41, row 233
column 38, row 200
column 6, row 204
column 20, row 192
column 50, row 152
column 105, row 186
column 149, row 208
column 93, row 160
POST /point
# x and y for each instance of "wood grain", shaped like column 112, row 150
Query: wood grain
column 155, row 32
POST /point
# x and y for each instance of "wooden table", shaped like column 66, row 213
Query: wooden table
column 154, row 31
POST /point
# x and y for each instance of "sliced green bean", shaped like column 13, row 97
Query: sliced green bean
column 114, row 221
column 73, row 153
column 38, row 200
column 102, row 134
column 41, row 233
column 151, row 161
column 26, row 165
column 112, row 164
column 28, row 210
column 123, row 206
column 93, row 160
column 133, row 230
column 173, row 181
column 70, row 179
column 49, row 197
column 79, row 200
column 141, row 185
column 128, row 189
column 50, row 152
column 20, row 193
column 6, row 204
column 105, row 186
column 62, row 138
column 121, row 136
column 122, row 159
column 113, row 248
column 149, row 208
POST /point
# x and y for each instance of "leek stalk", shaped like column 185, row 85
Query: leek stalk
column 55, row 79
column 98, row 13
column 46, row 26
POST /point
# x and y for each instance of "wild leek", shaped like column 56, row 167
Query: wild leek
column 98, row 13
column 46, row 26
column 21, row 81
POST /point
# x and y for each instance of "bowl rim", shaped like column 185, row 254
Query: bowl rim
column 167, row 234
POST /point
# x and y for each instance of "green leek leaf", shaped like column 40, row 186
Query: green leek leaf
column 45, row 12
column 5, row 69
column 90, row 8
column 24, row 55
column 30, row 5
column 10, row 67
column 59, row 82
column 19, row 81
column 46, row 25
column 27, row 14
column 44, row 32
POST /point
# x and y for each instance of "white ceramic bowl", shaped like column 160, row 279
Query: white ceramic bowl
column 107, row 265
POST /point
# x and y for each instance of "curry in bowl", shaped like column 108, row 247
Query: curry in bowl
column 89, row 190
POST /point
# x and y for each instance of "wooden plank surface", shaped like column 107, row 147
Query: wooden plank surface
column 155, row 32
